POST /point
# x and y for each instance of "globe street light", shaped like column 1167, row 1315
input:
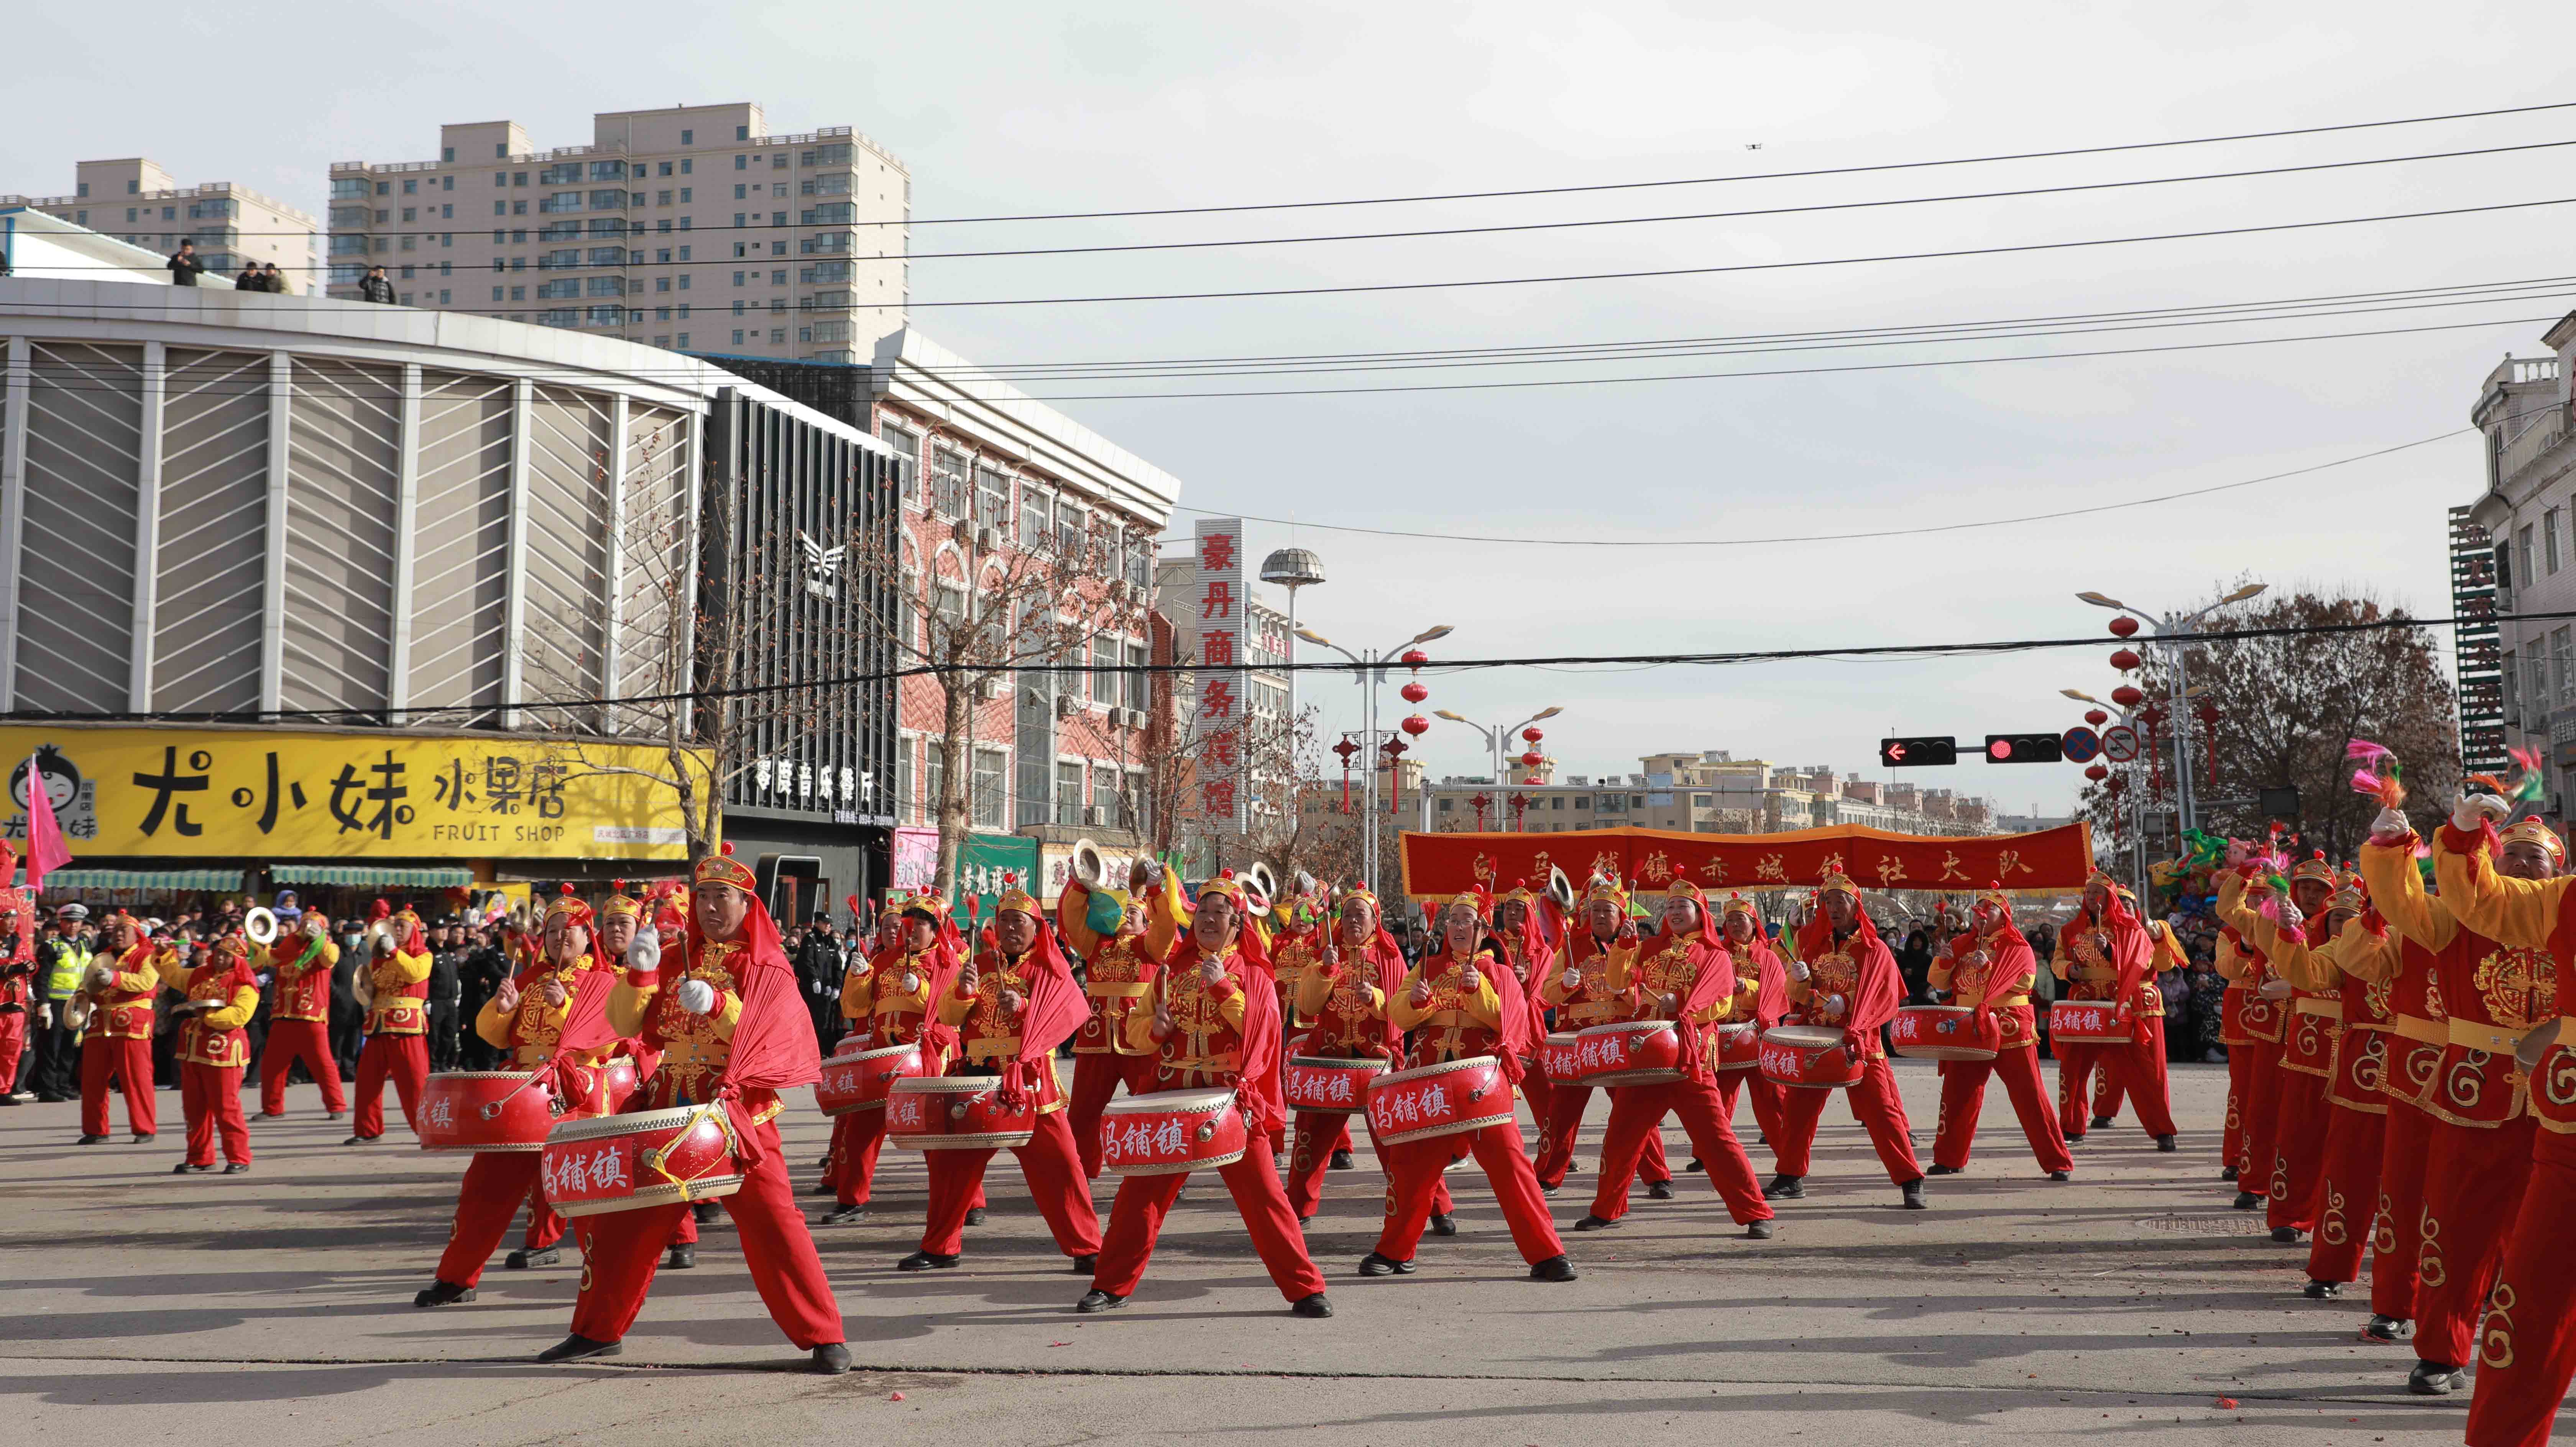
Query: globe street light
column 1495, row 737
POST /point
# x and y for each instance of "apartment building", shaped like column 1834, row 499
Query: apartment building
column 2528, row 510
column 135, row 201
column 1704, row 792
column 691, row 228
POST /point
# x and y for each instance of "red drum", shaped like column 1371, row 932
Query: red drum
column 1639, row 1052
column 1451, row 1098
column 651, row 1158
column 861, row 1079
column 1167, row 1132
column 617, row 1083
column 485, row 1110
column 1330, row 1086
column 1739, row 1046
column 1556, row 1056
column 1811, row 1056
column 2090, row 1022
column 956, row 1113
column 1945, row 1032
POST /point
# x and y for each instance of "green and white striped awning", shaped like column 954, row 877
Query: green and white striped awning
column 219, row 881
column 374, row 875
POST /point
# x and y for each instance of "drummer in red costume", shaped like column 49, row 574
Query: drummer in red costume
column 17, row 972
column 2106, row 954
column 397, row 1046
column 1009, row 1007
column 2166, row 956
column 1688, row 977
column 1528, row 931
column 1844, row 976
column 1213, row 1027
column 300, row 961
column 2307, row 1047
column 1991, row 969
column 1582, row 994
column 221, row 994
column 2253, row 1014
column 886, row 999
column 1341, row 1015
column 1458, row 1001
column 117, row 1044
column 724, row 1015
column 1757, row 960
column 1122, row 937
column 550, row 1018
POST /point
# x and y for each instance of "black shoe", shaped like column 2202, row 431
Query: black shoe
column 53, row 1100
column 1554, row 1268
column 333, row 1114
column 1910, row 1195
column 578, row 1348
column 271, row 1115
column 1692, row 1167
column 443, row 1293
column 359, row 1140
column 522, row 1259
column 831, row 1359
column 1086, row 1265
column 183, row 1168
column 2247, row 1200
column 2436, row 1379
column 843, row 1215
column 975, row 1216
column 705, row 1211
column 1317, row 1305
column 2286, row 1235
column 93, row 1140
column 1785, row 1188
column 821, row 1188
column 2076, row 1139
column 2165, row 1143
column 1663, row 1190
column 1095, row 1301
column 1942, row 1171
column 1758, row 1230
column 1443, row 1225
column 1375, row 1265
column 237, row 1168
column 143, row 1135
column 2227, row 1175
column 1595, row 1223
column 1341, row 1162
column 2323, row 1290
column 2388, row 1328
column 2061, row 1177
column 683, row 1257
column 927, row 1261
column 824, row 1164
column 1545, row 1189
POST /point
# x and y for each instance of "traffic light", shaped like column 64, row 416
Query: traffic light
column 2024, row 749
column 1918, row 753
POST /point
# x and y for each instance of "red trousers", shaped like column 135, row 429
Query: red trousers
column 288, row 1042
column 2527, row 1345
column 1768, row 1096
column 2260, row 1102
column 856, row 1139
column 1136, row 1221
column 2347, row 1196
column 405, row 1060
column 625, row 1249
column 1054, row 1172
column 1963, row 1095
column 1314, row 1137
column 1565, row 1107
column 13, row 1044
column 2474, row 1182
column 1096, row 1079
column 2396, row 1234
column 2138, row 1068
column 1413, row 1173
column 1637, row 1115
column 2298, row 1149
column 496, row 1184
column 210, row 1101
column 1873, row 1102
column 129, row 1062
column 2231, row 1138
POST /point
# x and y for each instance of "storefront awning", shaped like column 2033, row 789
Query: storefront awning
column 374, row 876
column 221, row 881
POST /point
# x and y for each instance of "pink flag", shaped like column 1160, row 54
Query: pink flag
column 46, row 851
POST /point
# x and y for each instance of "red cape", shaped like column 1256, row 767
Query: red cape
column 1519, row 1034
column 1713, row 977
column 2009, row 957
column 773, row 1039
column 1384, row 961
column 1265, row 1102
column 1056, row 1007
column 1881, row 991
column 2132, row 953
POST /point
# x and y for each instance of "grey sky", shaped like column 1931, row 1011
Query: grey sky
column 1028, row 108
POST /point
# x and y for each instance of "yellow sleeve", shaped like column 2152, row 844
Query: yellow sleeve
column 1139, row 1028
column 1165, row 916
column 1487, row 1006
column 1623, row 966
column 493, row 1023
column 2516, row 913
column 1314, row 987
column 408, row 969
column 1230, row 1008
column 627, row 1006
column 1939, row 977
column 1401, row 1008
column 172, row 974
column 238, row 1013
column 1072, row 910
column 854, row 995
column 2231, row 908
column 2397, row 892
column 953, row 1006
column 2169, row 954
column 151, row 977
column 2309, row 969
column 2371, row 958
column 727, row 1014
column 2234, row 964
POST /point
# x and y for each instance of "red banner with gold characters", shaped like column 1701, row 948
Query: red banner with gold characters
column 2052, row 859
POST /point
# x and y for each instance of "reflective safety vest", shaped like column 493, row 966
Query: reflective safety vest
column 71, row 962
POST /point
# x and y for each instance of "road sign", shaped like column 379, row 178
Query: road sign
column 2080, row 745
column 2120, row 743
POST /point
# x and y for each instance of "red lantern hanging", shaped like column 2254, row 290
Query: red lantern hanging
column 1414, row 658
column 2126, row 696
column 2124, row 660
column 1414, row 692
column 2097, row 773
column 1533, row 758
column 2096, row 717
column 1532, row 734
column 2124, row 625
column 1416, row 725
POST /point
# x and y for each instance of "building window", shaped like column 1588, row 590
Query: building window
column 2559, row 642
column 991, row 771
column 737, row 336
column 447, row 154
column 1036, row 511
column 947, row 482
column 1140, row 684
column 2549, row 538
column 1068, row 793
column 2527, row 572
column 907, row 446
column 687, row 138
column 411, row 187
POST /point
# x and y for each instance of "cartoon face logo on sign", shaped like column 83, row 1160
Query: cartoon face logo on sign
column 74, row 799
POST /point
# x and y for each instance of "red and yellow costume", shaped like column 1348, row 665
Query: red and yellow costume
column 397, row 1047
column 299, row 1018
column 118, row 1043
column 886, row 999
column 1223, row 1034
column 1992, row 972
column 1014, row 1039
column 1592, row 999
column 2355, row 969
column 1298, row 944
column 1117, row 981
column 757, row 1040
column 1341, row 1015
column 1689, row 978
column 17, row 968
column 2306, row 1060
column 2167, row 956
column 2113, row 959
column 213, row 1051
column 1859, row 969
column 2418, row 1032
column 1757, row 960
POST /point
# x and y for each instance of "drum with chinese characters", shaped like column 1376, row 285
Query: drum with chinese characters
column 2090, row 1022
column 1739, row 1046
column 651, row 1158
column 485, row 1110
column 1637, row 1052
column 1330, row 1085
column 1945, row 1032
column 1167, row 1132
column 1450, row 1098
column 1809, row 1056
column 1556, row 1056
column 957, row 1113
column 862, row 1079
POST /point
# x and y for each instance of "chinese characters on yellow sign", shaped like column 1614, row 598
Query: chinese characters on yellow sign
column 247, row 792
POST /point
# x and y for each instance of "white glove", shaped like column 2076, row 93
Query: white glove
column 644, row 952
column 1836, row 1004
column 45, row 1016
column 1573, row 980
column 697, row 997
column 2473, row 808
column 100, row 977
column 2391, row 824
column 1799, row 969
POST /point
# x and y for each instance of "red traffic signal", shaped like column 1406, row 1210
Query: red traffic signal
column 2024, row 749
column 1916, row 753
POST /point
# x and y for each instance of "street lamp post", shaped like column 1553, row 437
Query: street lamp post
column 1495, row 737
column 2168, row 629
column 1371, row 672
